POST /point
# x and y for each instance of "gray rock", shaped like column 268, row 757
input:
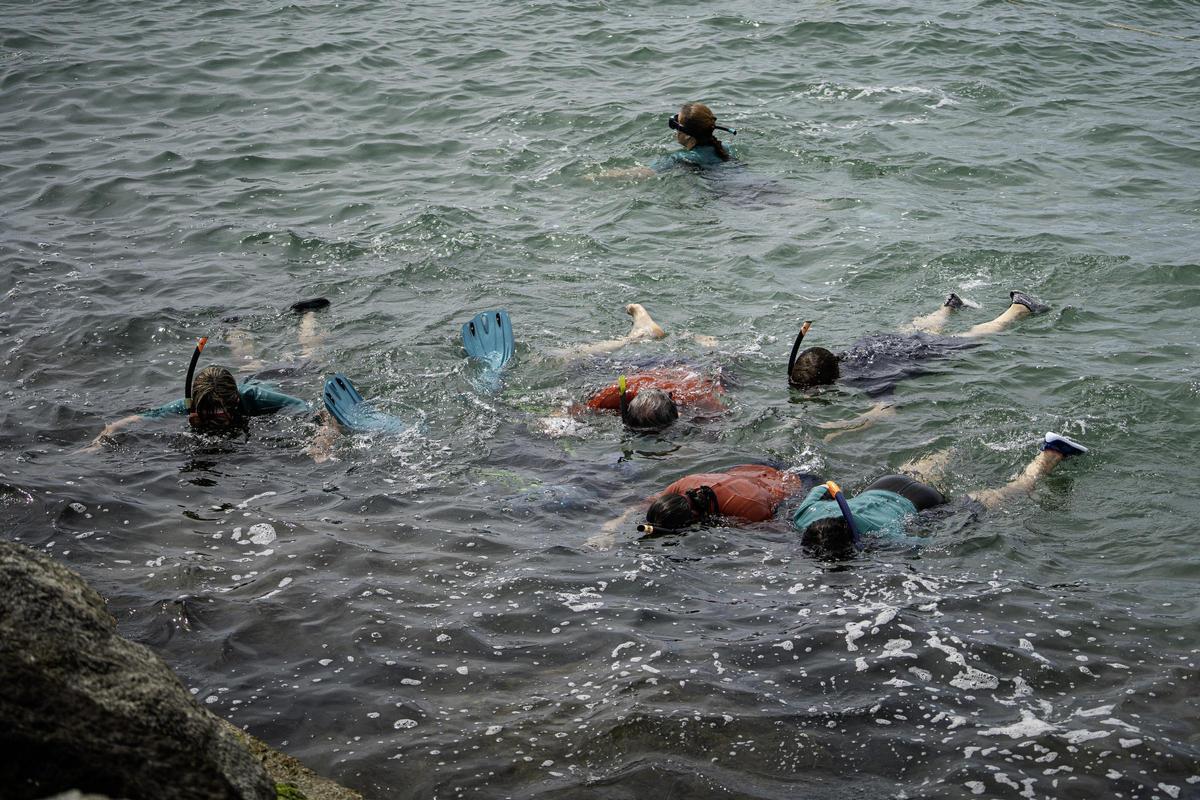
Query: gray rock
column 82, row 708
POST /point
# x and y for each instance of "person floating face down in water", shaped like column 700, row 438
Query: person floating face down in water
column 752, row 493
column 215, row 402
column 834, row 527
column 653, row 396
column 876, row 363
column 695, row 128
column 745, row 493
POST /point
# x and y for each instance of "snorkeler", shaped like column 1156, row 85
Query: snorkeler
column 216, row 404
column 830, row 528
column 833, row 527
column 746, row 493
column 213, row 401
column 876, row 363
column 649, row 399
column 695, row 129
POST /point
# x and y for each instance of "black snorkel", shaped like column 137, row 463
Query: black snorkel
column 796, row 346
column 835, row 492
column 700, row 495
column 674, row 124
column 187, row 382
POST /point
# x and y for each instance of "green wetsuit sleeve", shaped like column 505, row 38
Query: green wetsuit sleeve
column 258, row 399
column 814, row 508
column 174, row 408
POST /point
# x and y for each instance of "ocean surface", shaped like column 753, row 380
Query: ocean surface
column 419, row 616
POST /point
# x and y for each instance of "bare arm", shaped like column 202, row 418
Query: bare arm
column 628, row 173
column 321, row 447
column 881, row 410
column 607, row 537
column 108, row 431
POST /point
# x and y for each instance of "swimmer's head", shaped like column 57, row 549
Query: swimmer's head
column 216, row 402
column 816, row 366
column 677, row 511
column 650, row 410
column 694, row 126
column 828, row 539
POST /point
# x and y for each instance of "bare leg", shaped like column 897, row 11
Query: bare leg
column 933, row 322
column 242, row 345
column 1023, row 484
column 644, row 327
column 929, row 468
column 1011, row 315
column 308, row 336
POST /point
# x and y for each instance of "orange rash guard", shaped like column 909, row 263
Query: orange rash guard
column 687, row 386
column 750, row 492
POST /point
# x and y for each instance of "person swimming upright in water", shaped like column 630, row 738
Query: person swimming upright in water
column 877, row 363
column 695, row 129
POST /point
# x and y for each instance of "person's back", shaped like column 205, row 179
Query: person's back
column 750, row 492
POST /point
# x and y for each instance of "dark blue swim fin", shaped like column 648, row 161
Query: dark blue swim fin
column 489, row 338
column 353, row 413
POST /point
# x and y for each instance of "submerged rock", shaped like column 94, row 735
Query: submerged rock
column 82, row 708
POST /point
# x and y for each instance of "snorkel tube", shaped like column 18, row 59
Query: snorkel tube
column 835, row 492
column 796, row 347
column 187, row 382
column 674, row 124
column 624, row 399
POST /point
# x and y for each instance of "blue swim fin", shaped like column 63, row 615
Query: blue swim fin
column 489, row 338
column 353, row 413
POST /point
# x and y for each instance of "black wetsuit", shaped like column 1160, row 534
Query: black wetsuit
column 876, row 363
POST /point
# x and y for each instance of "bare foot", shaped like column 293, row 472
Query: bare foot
column 643, row 326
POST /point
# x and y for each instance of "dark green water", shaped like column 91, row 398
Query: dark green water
column 427, row 621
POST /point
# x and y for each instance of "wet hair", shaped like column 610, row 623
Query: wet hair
column 651, row 410
column 816, row 366
column 675, row 511
column 215, row 389
column 829, row 538
column 700, row 122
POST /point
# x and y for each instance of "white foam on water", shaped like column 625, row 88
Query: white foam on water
column 1080, row 736
column 250, row 500
column 401, row 724
column 897, row 648
column 493, row 730
column 1098, row 711
column 1027, row 728
column 262, row 533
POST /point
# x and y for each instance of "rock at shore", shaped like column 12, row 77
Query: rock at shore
column 82, row 708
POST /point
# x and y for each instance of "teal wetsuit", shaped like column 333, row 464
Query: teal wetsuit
column 875, row 511
column 257, row 399
column 703, row 157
